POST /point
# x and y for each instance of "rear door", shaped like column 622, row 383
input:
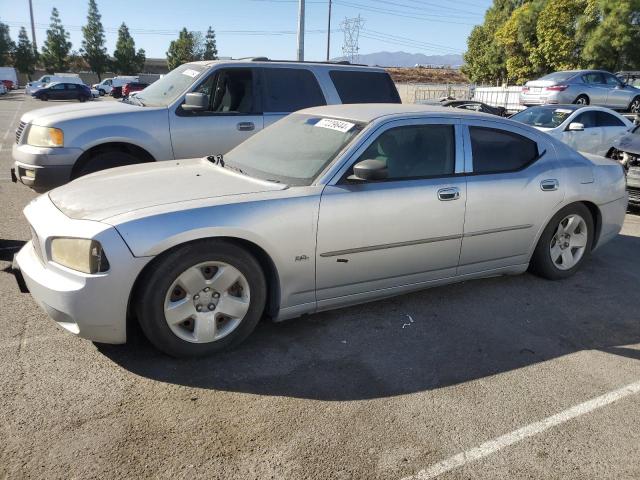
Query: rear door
column 597, row 89
column 234, row 113
column 286, row 90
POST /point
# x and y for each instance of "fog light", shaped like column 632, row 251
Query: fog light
column 30, row 173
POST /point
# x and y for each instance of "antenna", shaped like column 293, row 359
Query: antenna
column 351, row 29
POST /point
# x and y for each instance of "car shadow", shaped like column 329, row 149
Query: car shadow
column 421, row 341
column 8, row 248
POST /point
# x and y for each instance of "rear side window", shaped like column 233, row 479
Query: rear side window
column 364, row 87
column 496, row 151
column 604, row 119
column 290, row 89
column 593, row 78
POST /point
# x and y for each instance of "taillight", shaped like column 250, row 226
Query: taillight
column 525, row 89
column 557, row 88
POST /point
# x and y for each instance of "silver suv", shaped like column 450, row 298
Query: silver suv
column 583, row 87
column 198, row 109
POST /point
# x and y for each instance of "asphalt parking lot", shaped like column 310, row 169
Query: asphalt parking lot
column 509, row 377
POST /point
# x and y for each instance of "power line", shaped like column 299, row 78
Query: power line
column 409, row 42
column 421, row 17
column 428, row 7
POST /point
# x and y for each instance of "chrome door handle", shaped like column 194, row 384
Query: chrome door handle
column 246, row 126
column 549, row 185
column 447, row 194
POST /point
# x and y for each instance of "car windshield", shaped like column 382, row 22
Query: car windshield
column 293, row 150
column 558, row 76
column 167, row 89
column 545, row 117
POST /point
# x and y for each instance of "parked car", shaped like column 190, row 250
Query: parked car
column 304, row 216
column 64, row 91
column 629, row 77
column 45, row 80
column 587, row 129
column 198, row 109
column 9, row 76
column 129, row 88
column 475, row 106
column 582, row 87
column 3, row 89
column 95, row 93
column 107, row 84
column 627, row 151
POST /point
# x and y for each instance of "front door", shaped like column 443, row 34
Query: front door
column 619, row 97
column 233, row 115
column 515, row 182
column 589, row 140
column 402, row 231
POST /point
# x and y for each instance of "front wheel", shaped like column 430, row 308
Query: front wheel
column 201, row 298
column 44, row 97
column 565, row 243
column 581, row 100
column 82, row 99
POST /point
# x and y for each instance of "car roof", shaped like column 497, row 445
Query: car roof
column 367, row 112
column 265, row 62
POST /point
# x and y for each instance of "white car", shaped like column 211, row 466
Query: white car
column 95, row 93
column 3, row 89
column 586, row 129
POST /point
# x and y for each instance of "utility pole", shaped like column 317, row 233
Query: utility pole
column 329, row 32
column 33, row 29
column 301, row 31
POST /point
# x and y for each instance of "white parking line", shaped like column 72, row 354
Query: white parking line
column 492, row 446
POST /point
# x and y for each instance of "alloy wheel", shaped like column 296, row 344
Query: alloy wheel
column 207, row 302
column 569, row 242
column 635, row 106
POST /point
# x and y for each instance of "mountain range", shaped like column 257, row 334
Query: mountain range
column 404, row 59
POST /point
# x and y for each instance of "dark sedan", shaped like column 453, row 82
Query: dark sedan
column 475, row 106
column 63, row 91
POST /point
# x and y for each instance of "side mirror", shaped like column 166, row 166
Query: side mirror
column 576, row 127
column 369, row 170
column 195, row 102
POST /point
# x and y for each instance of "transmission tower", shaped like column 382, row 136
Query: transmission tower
column 351, row 29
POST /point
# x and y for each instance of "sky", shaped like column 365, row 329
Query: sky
column 265, row 27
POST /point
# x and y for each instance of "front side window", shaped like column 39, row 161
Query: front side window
column 293, row 150
column 290, row 89
column 415, row 151
column 364, row 87
column 57, row 86
column 611, row 80
column 588, row 119
column 497, row 151
column 233, row 92
column 593, row 78
column 604, row 119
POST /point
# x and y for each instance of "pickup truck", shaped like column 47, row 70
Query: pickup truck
column 198, row 109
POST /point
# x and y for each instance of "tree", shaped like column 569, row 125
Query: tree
column 93, row 49
column 210, row 48
column 56, row 46
column 24, row 57
column 558, row 46
column 126, row 60
column 182, row 50
column 613, row 41
column 6, row 44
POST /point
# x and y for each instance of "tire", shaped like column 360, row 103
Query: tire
column 163, row 288
column 82, row 99
column 44, row 97
column 581, row 100
column 634, row 106
column 545, row 261
column 101, row 92
column 104, row 160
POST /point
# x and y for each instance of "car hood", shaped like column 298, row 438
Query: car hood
column 121, row 190
column 52, row 115
column 629, row 143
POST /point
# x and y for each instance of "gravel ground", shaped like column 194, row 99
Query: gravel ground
column 358, row 393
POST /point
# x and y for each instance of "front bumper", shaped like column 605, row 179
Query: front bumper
column 92, row 306
column 44, row 168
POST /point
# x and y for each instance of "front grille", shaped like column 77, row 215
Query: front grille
column 19, row 131
column 634, row 195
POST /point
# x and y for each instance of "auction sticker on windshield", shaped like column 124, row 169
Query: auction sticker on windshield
column 338, row 125
column 191, row 73
column 563, row 110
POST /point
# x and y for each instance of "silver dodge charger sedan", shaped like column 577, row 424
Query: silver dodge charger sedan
column 328, row 207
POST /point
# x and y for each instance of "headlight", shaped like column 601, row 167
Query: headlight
column 79, row 254
column 45, row 136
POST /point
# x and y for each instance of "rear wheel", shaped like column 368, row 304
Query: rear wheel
column 565, row 243
column 581, row 100
column 82, row 98
column 103, row 160
column 101, row 92
column 201, row 298
column 634, row 106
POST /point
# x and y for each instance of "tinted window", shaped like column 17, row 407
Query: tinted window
column 364, row 87
column 70, row 86
column 611, row 80
column 593, row 78
column 415, row 151
column 588, row 119
column 290, row 89
column 499, row 151
column 57, row 86
column 604, row 119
